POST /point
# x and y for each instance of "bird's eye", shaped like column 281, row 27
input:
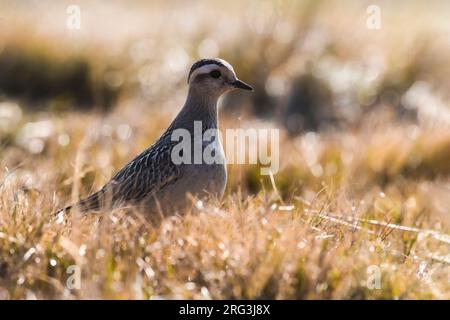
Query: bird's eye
column 215, row 74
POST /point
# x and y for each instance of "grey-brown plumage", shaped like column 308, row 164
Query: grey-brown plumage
column 152, row 179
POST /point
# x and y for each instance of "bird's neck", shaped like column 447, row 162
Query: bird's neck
column 198, row 107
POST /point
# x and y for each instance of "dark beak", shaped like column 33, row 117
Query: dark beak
column 241, row 85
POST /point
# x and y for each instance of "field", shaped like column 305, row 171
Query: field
column 359, row 208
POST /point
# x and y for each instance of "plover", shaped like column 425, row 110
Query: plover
column 153, row 179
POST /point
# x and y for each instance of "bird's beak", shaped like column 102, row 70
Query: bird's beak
column 241, row 85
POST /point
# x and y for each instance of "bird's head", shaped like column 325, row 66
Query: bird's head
column 214, row 77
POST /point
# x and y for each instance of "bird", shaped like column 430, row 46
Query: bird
column 153, row 180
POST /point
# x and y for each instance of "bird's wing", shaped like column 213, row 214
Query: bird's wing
column 149, row 172
column 146, row 174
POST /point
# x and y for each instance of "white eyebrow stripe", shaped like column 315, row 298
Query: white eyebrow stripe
column 204, row 69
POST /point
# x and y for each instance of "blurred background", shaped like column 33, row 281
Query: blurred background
column 358, row 104
column 360, row 91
